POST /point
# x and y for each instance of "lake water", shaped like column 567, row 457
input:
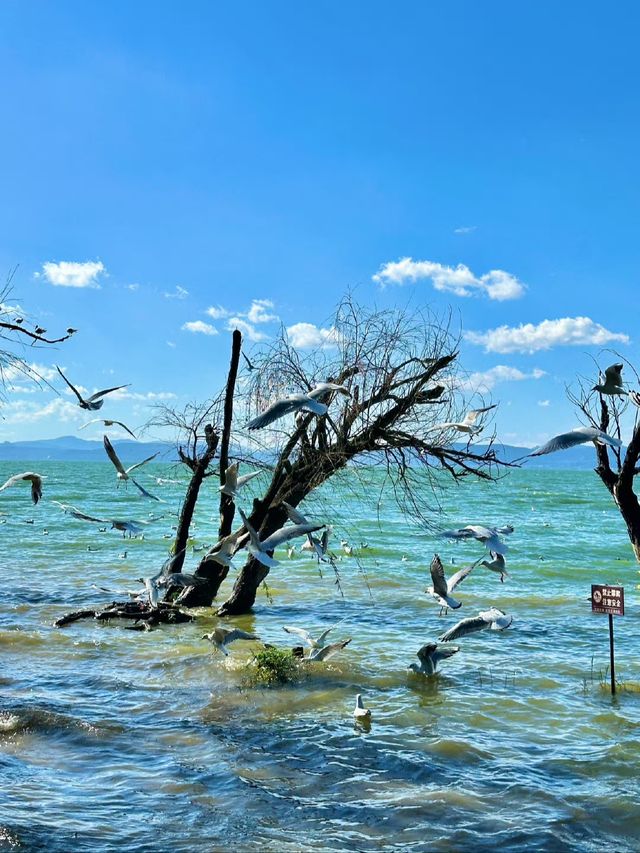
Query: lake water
column 117, row 740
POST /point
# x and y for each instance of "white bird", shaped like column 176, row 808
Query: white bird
column 430, row 656
column 361, row 713
column 306, row 637
column 152, row 592
column 308, row 402
column 29, row 476
column 221, row 637
column 348, row 549
column 612, row 384
column 123, row 473
column 225, row 549
column 259, row 549
column 92, row 403
column 107, row 423
column 327, row 652
column 496, row 564
column 468, row 424
column 441, row 589
column 291, row 551
column 489, row 536
column 233, row 483
column 313, row 543
column 580, row 435
column 494, row 618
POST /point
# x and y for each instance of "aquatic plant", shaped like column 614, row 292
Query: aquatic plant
column 270, row 667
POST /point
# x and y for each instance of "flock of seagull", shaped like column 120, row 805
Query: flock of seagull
column 316, row 401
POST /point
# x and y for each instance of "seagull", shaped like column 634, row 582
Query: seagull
column 123, row 473
column 249, row 364
column 313, row 543
column 360, row 712
column 580, row 435
column 494, row 618
column 39, row 330
column 295, row 402
column 221, row 637
column 284, row 534
column 612, row 384
column 306, row 637
column 348, row 549
column 489, row 536
column 226, row 548
column 430, row 656
column 34, row 479
column 130, row 527
column 467, row 425
column 71, row 331
column 108, row 423
column 233, row 483
column 442, row 589
column 92, row 403
column 327, row 651
column 497, row 564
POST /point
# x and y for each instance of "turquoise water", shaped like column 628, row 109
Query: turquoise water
column 116, row 740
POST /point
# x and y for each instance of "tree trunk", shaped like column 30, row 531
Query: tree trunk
column 245, row 588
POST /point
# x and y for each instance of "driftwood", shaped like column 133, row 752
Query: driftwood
column 141, row 612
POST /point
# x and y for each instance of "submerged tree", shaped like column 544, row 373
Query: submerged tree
column 400, row 369
column 616, row 466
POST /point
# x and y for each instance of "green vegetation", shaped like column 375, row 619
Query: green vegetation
column 272, row 666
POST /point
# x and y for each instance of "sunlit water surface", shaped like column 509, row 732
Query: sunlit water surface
column 117, row 740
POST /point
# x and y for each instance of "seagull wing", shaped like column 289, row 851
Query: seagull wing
column 329, row 651
column 443, row 652
column 278, row 410
column 465, row 626
column 124, row 427
column 12, row 481
column 294, row 514
column 437, row 577
column 253, row 536
column 613, row 375
column 139, row 464
column 73, row 388
column 113, row 456
column 565, row 440
column 99, row 394
column 459, row 576
column 300, row 632
column 245, row 478
column 230, row 479
column 472, row 416
column 237, row 634
column 144, row 492
column 287, row 533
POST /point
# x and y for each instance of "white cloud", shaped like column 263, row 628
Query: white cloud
column 465, row 229
column 485, row 381
column 199, row 327
column 171, row 344
column 22, row 411
column 133, row 287
column 259, row 313
column 218, row 312
column 459, row 280
column 178, row 293
column 544, row 403
column 247, row 329
column 306, row 335
column 72, row 274
column 530, row 338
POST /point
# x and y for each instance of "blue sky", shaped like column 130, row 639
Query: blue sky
column 216, row 154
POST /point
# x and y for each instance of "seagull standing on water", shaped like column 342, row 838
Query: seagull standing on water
column 308, row 402
column 430, row 656
column 29, row 476
column 361, row 713
column 441, row 589
column 92, row 403
column 494, row 618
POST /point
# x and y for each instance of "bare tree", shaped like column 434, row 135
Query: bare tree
column 616, row 467
column 17, row 332
column 401, row 370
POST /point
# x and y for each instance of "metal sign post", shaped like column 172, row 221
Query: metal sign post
column 608, row 599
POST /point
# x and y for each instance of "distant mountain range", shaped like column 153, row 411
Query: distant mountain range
column 68, row 448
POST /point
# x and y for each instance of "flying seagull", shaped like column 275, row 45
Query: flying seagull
column 496, row 564
column 495, row 619
column 612, row 384
column 442, row 588
column 489, row 536
column 34, row 479
column 93, row 403
column 221, row 637
column 306, row 637
column 361, row 713
column 580, row 435
column 233, row 483
column 125, row 526
column 430, row 656
column 123, row 473
column 308, row 402
column 250, row 366
column 284, row 534
column 467, row 425
column 313, row 543
column 327, row 652
column 226, row 548
column 108, row 423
